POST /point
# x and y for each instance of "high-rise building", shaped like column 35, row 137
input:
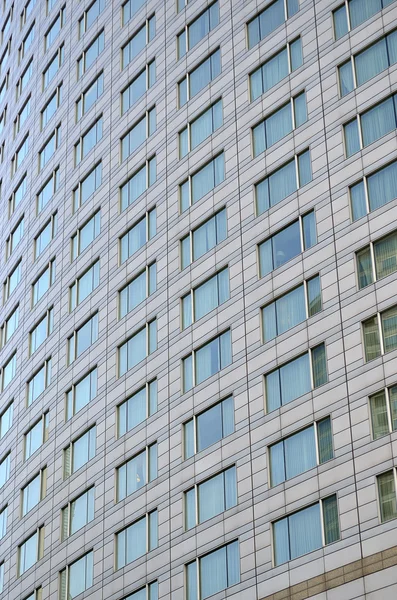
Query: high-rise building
column 198, row 361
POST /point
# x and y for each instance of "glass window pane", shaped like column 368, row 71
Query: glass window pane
column 300, row 452
column 290, row 309
column 190, row 508
column 393, row 406
column 389, row 329
column 281, row 541
column 305, row 168
column 189, row 438
column 324, row 439
column 209, row 427
column 319, row 364
column 309, row 230
column 358, row 203
column 314, row 295
column 340, row 22
column 211, row 497
column 213, row 573
column 305, row 531
column 385, row 252
column 277, row 463
column 364, row 268
column 361, row 10
column 295, row 379
column 371, row 61
column 371, row 339
column 352, row 139
column 379, row 417
column 378, row 121
column 346, row 78
column 387, row 496
column 286, row 244
column 382, row 186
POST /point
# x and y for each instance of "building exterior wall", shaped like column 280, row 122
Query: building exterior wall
column 358, row 458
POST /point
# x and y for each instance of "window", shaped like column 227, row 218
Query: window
column 4, row 87
column 85, row 235
column 55, row 28
column 41, row 331
column 295, row 378
column 207, row 360
column 77, row 577
column 20, row 155
column 53, row 67
column 81, row 393
column 205, row 297
column 22, row 116
column 12, row 280
column 208, row 427
column 201, row 182
column 79, row 452
column 180, row 5
column 34, row 492
column 198, row 29
column 50, row 5
column 370, row 125
column 90, row 54
column 27, row 11
column 6, row 419
column 3, row 119
column 139, row 234
column 14, row 238
column 44, row 282
column 199, row 77
column 3, row 522
column 24, row 78
column 202, row 239
column 136, row 472
column 377, row 260
column 138, row 183
column 51, row 107
column 301, row 451
column 26, row 43
column 149, row 592
column 5, row 466
column 292, row 308
column 138, row 86
column 5, row 55
column 89, row 96
column 351, row 14
column 17, row 195
column 284, row 120
column 129, row 9
column 287, row 243
column 84, row 285
column 387, row 495
column 45, row 236
column 136, row 539
column 211, row 497
column 36, row 595
column 380, row 334
column 1, row 577
column 137, row 347
column 140, row 132
column 137, row 290
column 9, row 371
column 39, row 382
column 200, row 128
column 10, row 325
column 141, row 405
column 88, row 140
column 383, row 409
column 361, row 67
column 36, row 436
column 83, row 338
column 31, row 551
column 216, row 570
column 48, row 150
column 286, row 180
column 78, row 513
column 7, row 25
column 87, row 186
column 138, row 41
column 48, row 190
column 90, row 15
column 269, row 19
column 306, row 530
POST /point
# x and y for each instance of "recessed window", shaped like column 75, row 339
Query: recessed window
column 12, row 280
column 79, row 452
column 377, row 260
column 138, row 235
column 138, row 41
column 300, row 451
column 46, row 235
column 201, row 182
column 41, row 331
column 77, row 577
column 33, row 492
column 36, row 436
column 295, row 378
column 270, row 19
column 137, row 408
column 200, row 128
column 6, row 418
column 82, row 338
column 78, row 513
column 22, row 116
column 90, row 15
column 136, row 472
column 383, row 409
column 208, row 427
column 387, row 495
column 217, row 571
column 129, row 9
column 137, row 290
column 138, row 86
column 3, row 521
column 198, row 29
column 138, row 183
column 203, row 238
column 39, row 382
column 84, row 285
column 20, row 155
column 287, row 243
column 139, row 346
column 31, row 551
column 55, row 28
column 90, row 54
column 205, row 297
column 292, row 308
column 211, row 497
column 139, row 132
column 9, row 371
column 49, row 148
column 5, row 468
column 52, row 106
column 207, row 360
column 24, row 78
column 351, row 14
column 380, row 334
column 43, row 282
column 85, row 235
column 199, row 77
column 14, row 238
column 81, row 393
column 320, row 522
column 88, row 140
column 53, row 67
column 90, row 95
column 136, row 539
column 87, row 186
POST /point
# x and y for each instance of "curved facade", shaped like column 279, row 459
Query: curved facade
column 198, row 318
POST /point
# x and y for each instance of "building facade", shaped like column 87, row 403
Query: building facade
column 198, row 361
